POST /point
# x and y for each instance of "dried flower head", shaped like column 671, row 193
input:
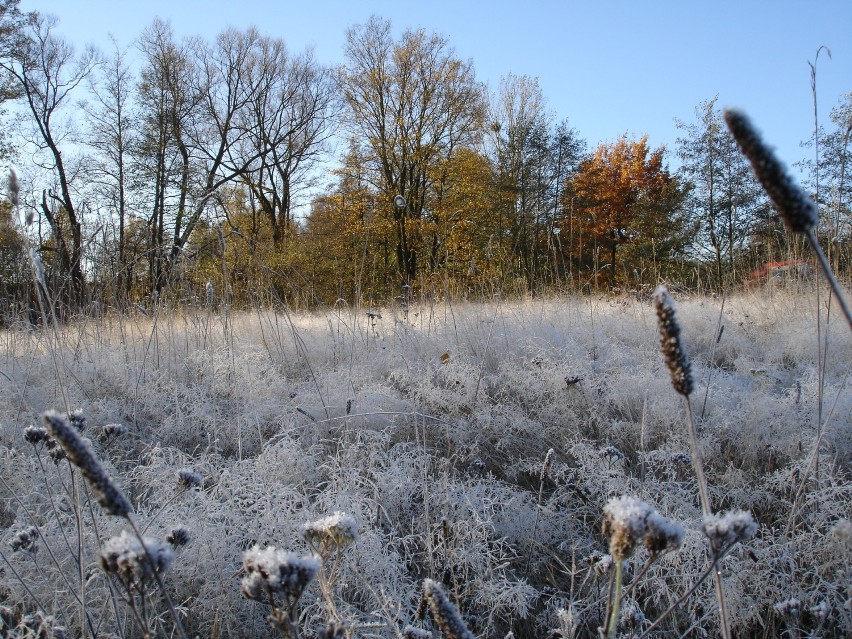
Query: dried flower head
column 178, row 536
column 115, row 430
column 80, row 454
column 188, row 478
column 125, row 558
column 271, row 572
column 545, row 467
column 726, row 530
column 14, row 187
column 662, row 534
column 444, row 613
column 674, row 352
column 25, row 540
column 625, row 523
column 611, row 454
column 790, row 609
column 796, row 209
column 331, row 533
column 35, row 434
column 412, row 632
column 78, row 419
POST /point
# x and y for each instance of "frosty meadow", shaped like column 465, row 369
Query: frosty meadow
column 316, row 468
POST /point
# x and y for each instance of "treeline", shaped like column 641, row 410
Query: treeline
column 196, row 172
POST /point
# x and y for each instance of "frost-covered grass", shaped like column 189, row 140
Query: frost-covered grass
column 418, row 445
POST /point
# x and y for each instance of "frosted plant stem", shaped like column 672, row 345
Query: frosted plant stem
column 829, row 275
column 697, row 463
column 78, row 515
column 616, row 600
column 704, row 497
column 178, row 624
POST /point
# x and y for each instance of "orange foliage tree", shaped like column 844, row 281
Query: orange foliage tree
column 623, row 195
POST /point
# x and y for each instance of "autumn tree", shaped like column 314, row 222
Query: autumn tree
column 627, row 201
column 415, row 104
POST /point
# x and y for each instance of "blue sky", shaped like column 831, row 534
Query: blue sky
column 609, row 66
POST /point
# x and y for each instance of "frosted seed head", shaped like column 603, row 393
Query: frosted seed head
column 331, row 533
column 790, row 609
column 625, row 523
column 35, row 434
column 188, row 478
column 662, row 534
column 444, row 613
column 271, row 572
column 796, row 209
column 77, row 418
column 178, row 536
column 115, row 430
column 14, row 187
column 80, row 453
column 25, row 540
column 410, row 632
column 728, row 529
column 125, row 558
column 674, row 352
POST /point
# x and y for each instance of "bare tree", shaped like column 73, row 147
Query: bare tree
column 46, row 71
column 112, row 135
column 288, row 121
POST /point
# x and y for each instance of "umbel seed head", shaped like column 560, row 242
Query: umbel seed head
column 674, row 352
column 796, row 209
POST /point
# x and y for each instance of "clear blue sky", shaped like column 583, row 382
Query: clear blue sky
column 609, row 66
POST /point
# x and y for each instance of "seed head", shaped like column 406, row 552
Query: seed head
column 25, row 540
column 331, row 533
column 625, row 523
column 35, row 434
column 80, row 453
column 444, row 613
column 270, row 572
column 114, row 430
column 662, row 534
column 14, row 187
column 796, row 209
column 726, row 530
column 188, row 478
column 178, row 536
column 674, row 352
column 126, row 559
